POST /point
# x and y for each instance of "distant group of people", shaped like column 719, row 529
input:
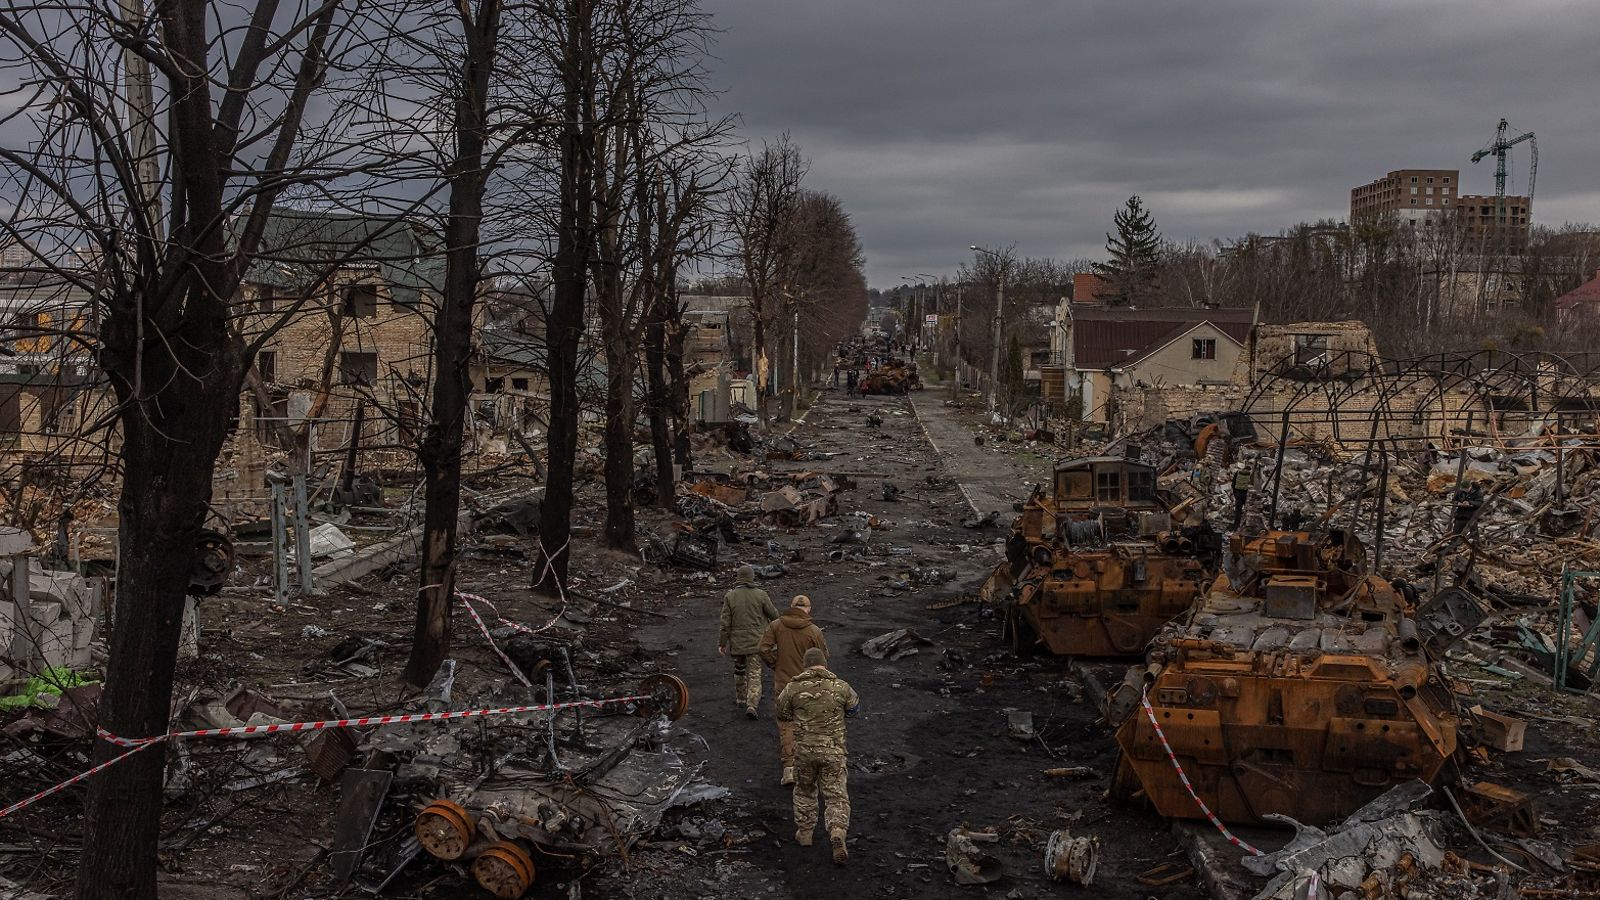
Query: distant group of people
column 812, row 702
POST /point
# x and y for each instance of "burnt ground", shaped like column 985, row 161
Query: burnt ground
column 931, row 751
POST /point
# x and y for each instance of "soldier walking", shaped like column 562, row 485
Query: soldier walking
column 817, row 702
column 784, row 648
column 746, row 612
column 1242, row 480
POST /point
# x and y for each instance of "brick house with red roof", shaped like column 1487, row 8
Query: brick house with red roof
column 1101, row 348
column 1583, row 300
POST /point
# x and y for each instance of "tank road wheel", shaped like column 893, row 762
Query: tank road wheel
column 504, row 870
column 444, row 829
column 668, row 696
column 1020, row 632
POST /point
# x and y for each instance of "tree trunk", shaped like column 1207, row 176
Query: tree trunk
column 166, row 487
column 564, row 324
column 655, row 376
column 678, row 390
column 440, row 453
column 762, row 384
column 619, row 442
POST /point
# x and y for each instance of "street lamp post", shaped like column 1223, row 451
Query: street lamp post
column 999, row 314
column 919, row 325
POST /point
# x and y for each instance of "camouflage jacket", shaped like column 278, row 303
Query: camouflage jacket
column 817, row 702
column 746, row 612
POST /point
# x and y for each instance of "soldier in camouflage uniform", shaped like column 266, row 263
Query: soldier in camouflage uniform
column 817, row 702
column 746, row 612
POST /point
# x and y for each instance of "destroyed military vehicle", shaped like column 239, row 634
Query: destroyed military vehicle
column 896, row 376
column 1299, row 686
column 1096, row 567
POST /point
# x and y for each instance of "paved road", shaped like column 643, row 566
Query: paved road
column 991, row 478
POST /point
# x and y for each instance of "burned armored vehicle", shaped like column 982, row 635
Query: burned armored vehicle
column 896, row 376
column 1298, row 686
column 1096, row 567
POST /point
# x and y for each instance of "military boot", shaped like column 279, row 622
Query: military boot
column 802, row 836
column 841, row 854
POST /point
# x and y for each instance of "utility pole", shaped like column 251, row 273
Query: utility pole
column 955, row 378
column 994, row 357
column 795, row 377
column 1001, row 263
column 139, row 96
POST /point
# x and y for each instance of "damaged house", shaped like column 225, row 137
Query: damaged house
column 1103, row 353
column 343, row 306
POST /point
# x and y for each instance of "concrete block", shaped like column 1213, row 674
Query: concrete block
column 15, row 541
column 56, row 644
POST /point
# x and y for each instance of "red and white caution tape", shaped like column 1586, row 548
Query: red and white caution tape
column 134, row 745
column 468, row 600
column 1149, row 711
column 20, row 804
column 516, row 671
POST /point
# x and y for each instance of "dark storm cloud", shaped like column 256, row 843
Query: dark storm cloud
column 942, row 123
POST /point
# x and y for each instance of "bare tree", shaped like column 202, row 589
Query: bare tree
column 469, row 159
column 652, row 111
column 573, row 25
column 822, row 283
column 759, row 206
column 170, row 205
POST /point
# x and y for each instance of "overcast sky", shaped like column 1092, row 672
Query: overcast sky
column 944, row 123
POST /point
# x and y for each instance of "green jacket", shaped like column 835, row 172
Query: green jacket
column 817, row 702
column 746, row 612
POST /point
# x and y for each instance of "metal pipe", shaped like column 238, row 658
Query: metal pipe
column 302, row 534
column 1277, row 471
column 1383, row 495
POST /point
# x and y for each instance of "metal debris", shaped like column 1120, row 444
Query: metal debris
column 1073, row 859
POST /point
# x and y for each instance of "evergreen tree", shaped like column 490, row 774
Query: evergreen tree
column 1135, row 255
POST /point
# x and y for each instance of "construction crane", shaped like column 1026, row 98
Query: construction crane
column 1498, row 148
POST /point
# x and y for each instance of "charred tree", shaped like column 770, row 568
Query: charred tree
column 564, row 321
column 169, row 246
column 763, row 196
column 440, row 453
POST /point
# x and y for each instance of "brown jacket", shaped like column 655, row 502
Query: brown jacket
column 784, row 645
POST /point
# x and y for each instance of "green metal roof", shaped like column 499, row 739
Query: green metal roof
column 302, row 247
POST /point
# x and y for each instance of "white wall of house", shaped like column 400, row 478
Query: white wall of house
column 1180, row 361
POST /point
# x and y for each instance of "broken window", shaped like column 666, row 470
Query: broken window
column 1203, row 348
column 1108, row 486
column 267, row 365
column 266, row 298
column 493, row 385
column 360, row 301
column 1141, row 486
column 268, row 419
column 519, row 384
column 358, row 367
column 1310, row 349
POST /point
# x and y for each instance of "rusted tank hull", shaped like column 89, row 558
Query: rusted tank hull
column 1258, row 735
column 1100, row 608
column 1298, row 686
